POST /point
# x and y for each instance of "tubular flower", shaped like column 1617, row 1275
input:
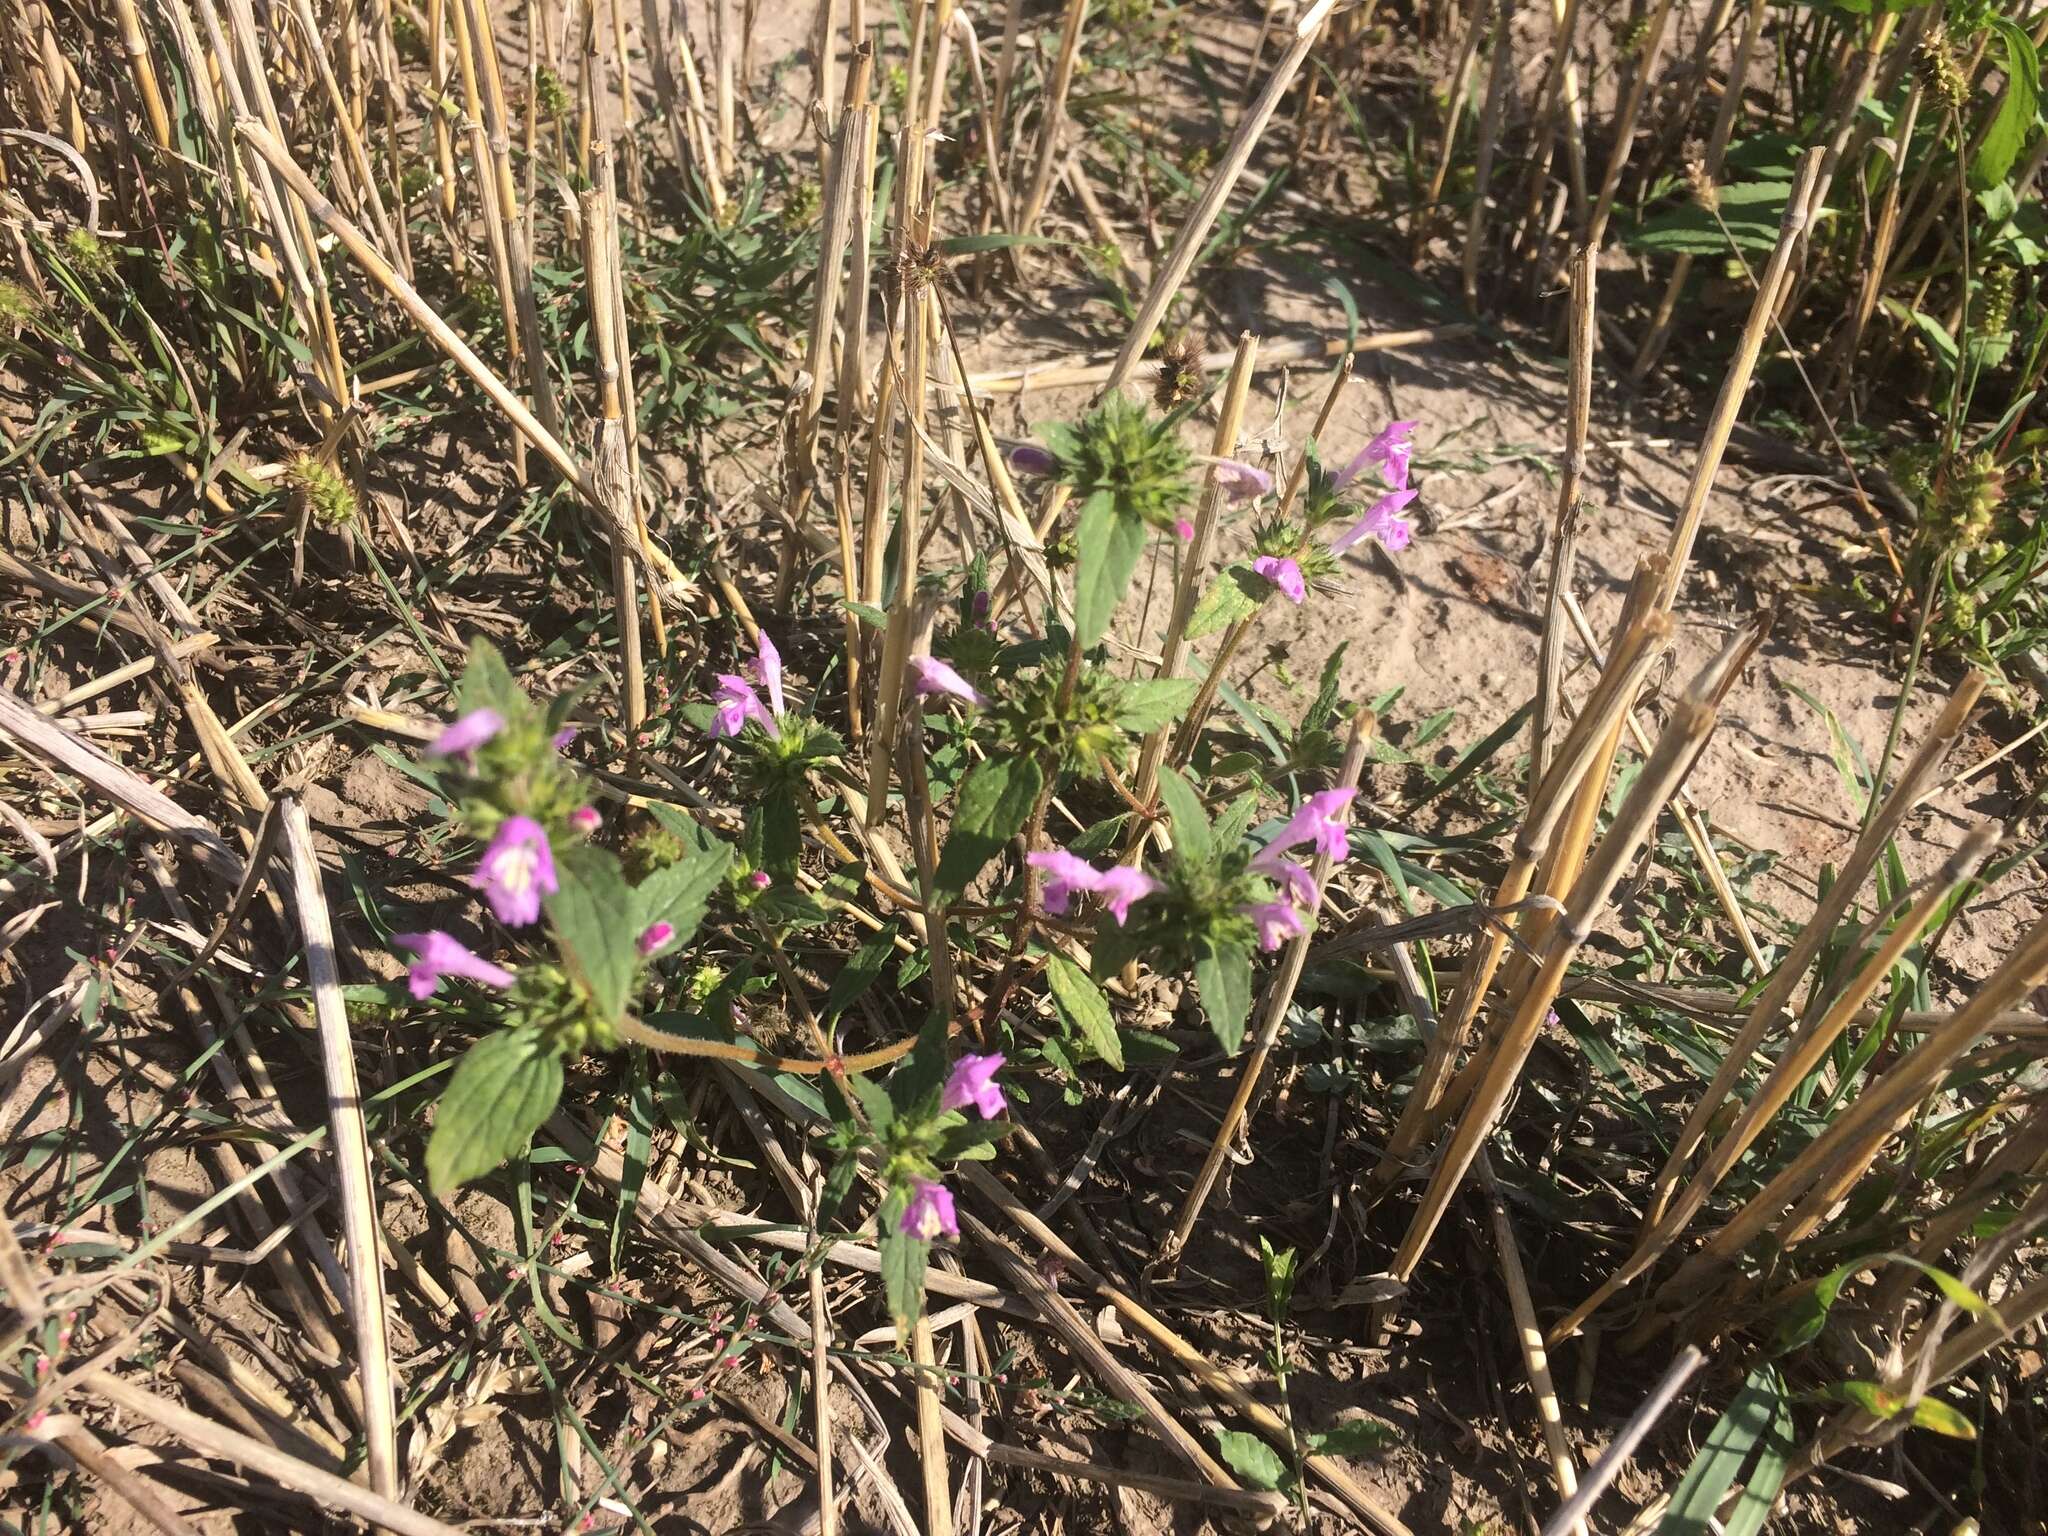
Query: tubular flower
column 930, row 675
column 1291, row 877
column 655, row 936
column 1064, row 874
column 1320, row 819
column 1239, row 479
column 1278, row 922
column 973, row 1081
column 466, row 733
column 738, row 702
column 1030, row 459
column 586, row 819
column 1284, row 574
column 1121, row 885
column 929, row 1213
column 516, row 871
column 1383, row 521
column 1389, row 451
column 441, row 955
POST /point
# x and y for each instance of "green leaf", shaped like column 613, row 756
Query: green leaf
column 860, row 973
column 969, row 245
column 1720, row 1461
column 1235, row 594
column 1760, row 1489
column 972, row 1140
column 1192, row 838
column 775, row 835
column 2008, row 133
column 1354, row 1437
column 1932, row 1413
column 994, row 802
column 1148, row 705
column 487, row 683
column 1084, row 1008
column 875, row 1103
column 903, row 1261
column 1223, row 978
column 1279, row 1266
column 914, row 1086
column 504, row 1087
column 592, row 913
column 867, row 613
column 1107, row 543
column 678, row 893
column 1253, row 1460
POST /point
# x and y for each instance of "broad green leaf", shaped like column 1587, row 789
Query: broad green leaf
column 1720, row 1461
column 2009, row 130
column 487, row 683
column 972, row 1140
column 994, row 802
column 1107, row 544
column 1253, row 1460
column 1354, row 1437
column 1148, row 705
column 875, row 1103
column 860, row 972
column 504, row 1087
column 678, row 893
column 1085, row 1009
column 775, row 836
column 1223, row 978
column 915, row 1085
column 1192, row 838
column 592, row 913
column 1932, row 1413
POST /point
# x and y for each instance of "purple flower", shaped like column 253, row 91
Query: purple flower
column 1064, row 874
column 1284, row 574
column 1121, row 885
column 1239, row 479
column 768, row 668
column 1390, row 449
column 655, row 936
column 586, row 819
column 1319, row 819
column 934, row 676
column 516, row 871
column 1278, row 922
column 973, row 1081
column 561, row 739
column 1383, row 522
column 1030, row 459
column 929, row 1213
column 442, row 955
column 737, row 704
column 1292, row 878
column 466, row 734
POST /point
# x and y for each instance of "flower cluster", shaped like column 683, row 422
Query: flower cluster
column 1389, row 452
column 971, row 1084
column 1320, row 820
column 1065, row 873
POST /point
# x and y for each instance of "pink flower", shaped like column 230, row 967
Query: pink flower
column 1064, row 875
column 738, row 702
column 655, row 936
column 467, row 733
column 1240, row 480
column 1291, row 877
column 1030, row 459
column 760, row 879
column 1120, row 885
column 442, row 955
column 1390, row 450
column 1383, row 522
column 768, row 668
column 1183, row 529
column 934, row 676
column 1319, row 819
column 1278, row 922
column 1284, row 574
column 586, row 819
column 973, row 1082
column 929, row 1213
column 516, row 871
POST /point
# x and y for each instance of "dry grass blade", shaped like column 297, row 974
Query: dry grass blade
column 355, row 1188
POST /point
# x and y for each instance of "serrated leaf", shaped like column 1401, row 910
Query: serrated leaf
column 1083, row 1006
column 678, row 893
column 1223, row 978
column 1235, row 594
column 994, row 803
column 915, row 1085
column 2008, row 133
column 875, row 1103
column 1252, row 1459
column 1160, row 701
column 860, row 972
column 903, row 1260
column 1107, row 544
column 591, row 912
column 774, row 836
column 487, row 683
column 504, row 1087
column 1192, row 837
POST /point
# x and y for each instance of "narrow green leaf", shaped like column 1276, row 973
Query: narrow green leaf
column 1223, row 978
column 860, row 973
column 1354, row 1437
column 1720, row 1461
column 1192, row 837
column 1932, row 1413
column 504, row 1087
column 1085, row 1009
column 994, row 802
column 1107, row 544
